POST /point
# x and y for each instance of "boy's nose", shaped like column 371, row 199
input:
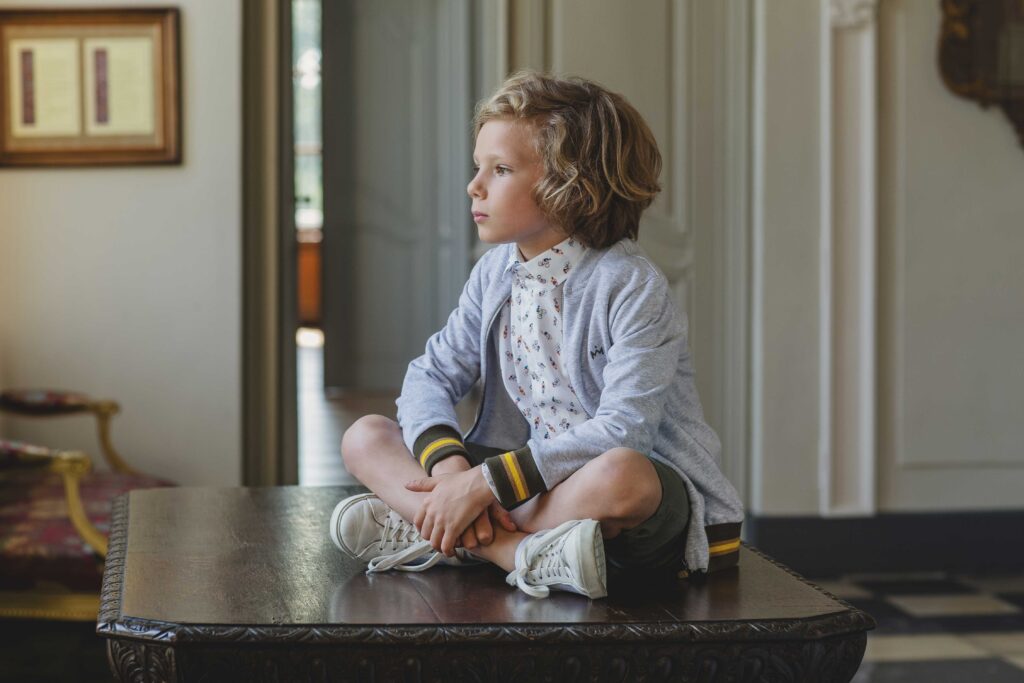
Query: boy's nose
column 475, row 189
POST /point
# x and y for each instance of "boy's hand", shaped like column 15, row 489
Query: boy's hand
column 481, row 532
column 455, row 501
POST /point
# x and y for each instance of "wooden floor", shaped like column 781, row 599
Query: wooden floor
column 323, row 420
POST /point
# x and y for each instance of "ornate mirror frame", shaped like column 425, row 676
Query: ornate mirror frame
column 981, row 54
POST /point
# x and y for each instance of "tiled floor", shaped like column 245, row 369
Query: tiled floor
column 932, row 628
column 938, row 628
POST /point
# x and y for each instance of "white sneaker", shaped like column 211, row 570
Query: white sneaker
column 569, row 557
column 365, row 528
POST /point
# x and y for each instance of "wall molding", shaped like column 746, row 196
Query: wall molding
column 754, row 497
column 852, row 13
column 735, row 200
column 848, row 268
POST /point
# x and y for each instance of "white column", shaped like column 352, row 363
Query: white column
column 847, row 446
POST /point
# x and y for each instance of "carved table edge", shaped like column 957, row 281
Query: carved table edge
column 112, row 624
column 829, row 626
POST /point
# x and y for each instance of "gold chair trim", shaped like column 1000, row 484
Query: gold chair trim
column 61, row 607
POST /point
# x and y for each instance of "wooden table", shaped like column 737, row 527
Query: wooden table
column 224, row 584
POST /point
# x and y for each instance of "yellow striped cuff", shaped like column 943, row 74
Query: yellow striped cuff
column 437, row 443
column 514, row 474
column 724, row 547
column 435, row 446
column 514, row 477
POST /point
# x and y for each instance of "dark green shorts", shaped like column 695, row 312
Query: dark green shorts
column 657, row 543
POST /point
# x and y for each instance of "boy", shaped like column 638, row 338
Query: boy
column 590, row 447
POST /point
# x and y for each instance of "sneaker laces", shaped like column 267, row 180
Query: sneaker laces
column 539, row 558
column 398, row 532
column 405, row 560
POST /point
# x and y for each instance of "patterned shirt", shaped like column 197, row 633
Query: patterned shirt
column 530, row 341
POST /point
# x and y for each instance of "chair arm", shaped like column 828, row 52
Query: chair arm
column 47, row 403
column 104, row 410
column 71, row 466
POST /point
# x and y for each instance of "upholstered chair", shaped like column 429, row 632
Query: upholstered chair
column 55, row 512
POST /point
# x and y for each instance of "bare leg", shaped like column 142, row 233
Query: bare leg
column 619, row 488
column 502, row 549
column 375, row 454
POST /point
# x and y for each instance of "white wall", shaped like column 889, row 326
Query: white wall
column 125, row 282
column 952, row 295
column 942, row 430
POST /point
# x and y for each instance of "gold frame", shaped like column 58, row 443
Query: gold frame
column 157, row 142
column 978, row 59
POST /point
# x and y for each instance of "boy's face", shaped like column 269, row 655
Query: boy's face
column 507, row 168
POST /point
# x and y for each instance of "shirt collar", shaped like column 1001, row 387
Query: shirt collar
column 550, row 268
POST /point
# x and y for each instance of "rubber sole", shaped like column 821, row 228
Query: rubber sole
column 334, row 531
column 598, row 573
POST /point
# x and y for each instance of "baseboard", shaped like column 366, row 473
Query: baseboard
column 967, row 542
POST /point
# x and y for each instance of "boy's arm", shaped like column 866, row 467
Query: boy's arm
column 649, row 339
column 438, row 379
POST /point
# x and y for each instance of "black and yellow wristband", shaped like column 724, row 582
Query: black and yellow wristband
column 436, row 444
column 515, row 476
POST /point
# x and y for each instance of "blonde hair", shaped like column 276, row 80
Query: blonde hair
column 601, row 161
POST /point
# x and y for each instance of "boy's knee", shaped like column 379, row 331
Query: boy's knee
column 634, row 487
column 363, row 437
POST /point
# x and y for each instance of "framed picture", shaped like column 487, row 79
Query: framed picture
column 89, row 87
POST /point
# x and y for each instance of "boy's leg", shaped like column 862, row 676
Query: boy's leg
column 374, row 453
column 620, row 489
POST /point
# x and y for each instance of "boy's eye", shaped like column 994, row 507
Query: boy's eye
column 499, row 170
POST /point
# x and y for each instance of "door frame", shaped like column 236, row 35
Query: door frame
column 269, row 268
column 269, row 249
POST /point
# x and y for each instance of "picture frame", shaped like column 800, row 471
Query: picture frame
column 981, row 54
column 90, row 87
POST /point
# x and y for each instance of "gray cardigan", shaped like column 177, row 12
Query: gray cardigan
column 625, row 352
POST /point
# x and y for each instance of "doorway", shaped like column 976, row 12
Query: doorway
column 381, row 149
